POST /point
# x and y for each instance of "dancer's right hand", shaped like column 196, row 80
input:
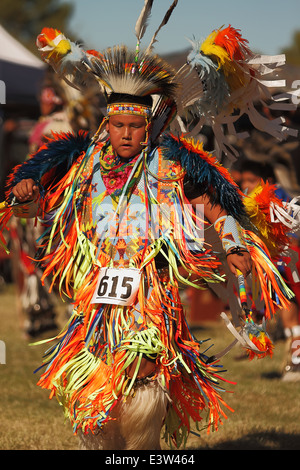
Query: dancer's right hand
column 26, row 190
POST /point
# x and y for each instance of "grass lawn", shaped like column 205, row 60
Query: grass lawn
column 266, row 416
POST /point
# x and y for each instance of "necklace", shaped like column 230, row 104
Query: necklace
column 115, row 172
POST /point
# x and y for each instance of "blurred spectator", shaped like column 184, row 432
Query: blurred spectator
column 252, row 172
column 36, row 307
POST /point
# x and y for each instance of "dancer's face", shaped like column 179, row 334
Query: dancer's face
column 249, row 181
column 126, row 134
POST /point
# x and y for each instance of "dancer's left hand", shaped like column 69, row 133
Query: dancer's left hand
column 241, row 261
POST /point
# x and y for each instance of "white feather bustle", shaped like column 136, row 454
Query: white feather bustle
column 136, row 422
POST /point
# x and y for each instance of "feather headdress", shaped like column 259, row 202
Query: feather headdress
column 123, row 72
column 221, row 81
column 69, row 60
column 117, row 70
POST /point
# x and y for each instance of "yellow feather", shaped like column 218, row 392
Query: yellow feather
column 62, row 48
column 217, row 53
column 234, row 74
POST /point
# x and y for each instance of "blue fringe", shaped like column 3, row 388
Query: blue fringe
column 61, row 152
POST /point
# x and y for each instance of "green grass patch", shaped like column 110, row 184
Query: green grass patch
column 266, row 416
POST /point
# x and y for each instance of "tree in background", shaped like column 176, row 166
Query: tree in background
column 293, row 51
column 24, row 19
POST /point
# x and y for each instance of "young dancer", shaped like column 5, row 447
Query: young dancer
column 123, row 227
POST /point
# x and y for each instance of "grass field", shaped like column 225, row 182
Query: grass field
column 266, row 416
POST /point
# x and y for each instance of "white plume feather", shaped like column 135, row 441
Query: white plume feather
column 142, row 22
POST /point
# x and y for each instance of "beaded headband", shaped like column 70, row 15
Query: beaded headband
column 128, row 108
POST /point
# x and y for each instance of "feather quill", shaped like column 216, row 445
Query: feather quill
column 142, row 22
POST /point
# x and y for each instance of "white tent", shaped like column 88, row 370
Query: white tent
column 21, row 74
column 20, row 71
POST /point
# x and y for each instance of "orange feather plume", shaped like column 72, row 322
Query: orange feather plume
column 257, row 204
column 232, row 41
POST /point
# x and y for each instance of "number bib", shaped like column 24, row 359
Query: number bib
column 117, row 286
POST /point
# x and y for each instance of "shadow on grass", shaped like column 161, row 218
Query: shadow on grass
column 268, row 440
column 271, row 375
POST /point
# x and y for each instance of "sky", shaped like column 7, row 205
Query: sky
column 268, row 25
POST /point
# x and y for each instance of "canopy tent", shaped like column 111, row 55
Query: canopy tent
column 21, row 75
column 21, row 71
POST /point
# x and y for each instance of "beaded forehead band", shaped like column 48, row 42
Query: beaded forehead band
column 129, row 108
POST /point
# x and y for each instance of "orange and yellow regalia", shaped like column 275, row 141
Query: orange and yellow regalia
column 121, row 237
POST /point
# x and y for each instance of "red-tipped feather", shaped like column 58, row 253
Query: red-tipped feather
column 51, row 49
column 232, row 41
column 258, row 204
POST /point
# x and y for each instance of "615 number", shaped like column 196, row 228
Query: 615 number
column 103, row 287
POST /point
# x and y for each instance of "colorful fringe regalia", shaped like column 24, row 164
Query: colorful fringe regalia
column 256, row 231
column 118, row 230
column 91, row 223
column 85, row 370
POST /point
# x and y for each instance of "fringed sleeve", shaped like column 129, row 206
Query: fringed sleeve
column 58, row 154
column 46, row 167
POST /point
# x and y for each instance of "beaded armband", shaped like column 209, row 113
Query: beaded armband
column 25, row 210
column 230, row 234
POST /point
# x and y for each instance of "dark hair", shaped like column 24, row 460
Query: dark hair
column 262, row 169
column 125, row 98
